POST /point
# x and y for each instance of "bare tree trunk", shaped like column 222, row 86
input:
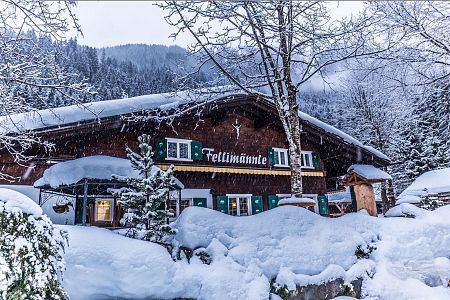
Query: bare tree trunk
column 295, row 151
column 387, row 194
column 384, row 198
column 391, row 193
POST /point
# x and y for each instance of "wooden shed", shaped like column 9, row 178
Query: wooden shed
column 360, row 178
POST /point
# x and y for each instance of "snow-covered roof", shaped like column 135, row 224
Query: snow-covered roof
column 71, row 114
column 341, row 134
column 369, row 172
column 76, row 114
column 100, row 167
column 15, row 202
column 432, row 182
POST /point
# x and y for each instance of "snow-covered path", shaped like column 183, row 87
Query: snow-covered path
column 411, row 260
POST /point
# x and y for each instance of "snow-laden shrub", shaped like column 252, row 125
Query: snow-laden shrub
column 31, row 250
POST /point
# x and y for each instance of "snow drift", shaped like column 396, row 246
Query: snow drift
column 408, row 257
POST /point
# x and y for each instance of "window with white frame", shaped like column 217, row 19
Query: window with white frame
column 178, row 149
column 281, row 157
column 307, row 161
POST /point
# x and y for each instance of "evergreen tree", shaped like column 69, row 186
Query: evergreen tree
column 425, row 137
column 144, row 200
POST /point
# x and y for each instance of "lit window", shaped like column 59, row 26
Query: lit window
column 238, row 205
column 178, row 149
column 103, row 210
column 185, row 203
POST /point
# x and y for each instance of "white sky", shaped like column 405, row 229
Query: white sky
column 110, row 23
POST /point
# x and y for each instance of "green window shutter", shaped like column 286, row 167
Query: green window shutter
column 315, row 160
column 323, row 204
column 199, row 202
column 273, row 201
column 271, row 156
column 160, row 147
column 257, row 205
column 196, row 150
column 222, row 204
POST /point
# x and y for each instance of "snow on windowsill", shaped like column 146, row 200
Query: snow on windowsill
column 294, row 200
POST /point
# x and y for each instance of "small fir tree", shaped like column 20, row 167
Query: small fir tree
column 144, row 200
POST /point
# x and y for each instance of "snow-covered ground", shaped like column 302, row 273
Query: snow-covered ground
column 411, row 259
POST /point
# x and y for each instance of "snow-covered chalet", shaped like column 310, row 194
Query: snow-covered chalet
column 229, row 154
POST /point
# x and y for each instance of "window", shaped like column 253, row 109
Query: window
column 239, row 205
column 307, row 161
column 281, row 157
column 178, row 149
column 184, row 203
column 103, row 210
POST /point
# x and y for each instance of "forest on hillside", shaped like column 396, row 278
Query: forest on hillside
column 110, row 73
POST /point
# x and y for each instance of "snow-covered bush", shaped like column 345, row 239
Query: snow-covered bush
column 31, row 250
column 144, row 200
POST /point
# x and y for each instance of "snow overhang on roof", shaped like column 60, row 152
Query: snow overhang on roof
column 369, row 172
column 99, row 167
column 357, row 174
column 74, row 115
column 429, row 183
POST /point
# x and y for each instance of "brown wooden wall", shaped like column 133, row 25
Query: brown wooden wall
column 212, row 133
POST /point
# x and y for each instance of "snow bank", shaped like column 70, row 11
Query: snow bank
column 284, row 237
column 105, row 265
column 102, row 264
column 410, row 259
column 369, row 172
column 91, row 167
column 15, row 202
column 432, row 182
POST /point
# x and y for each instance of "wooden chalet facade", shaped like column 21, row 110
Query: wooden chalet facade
column 232, row 158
